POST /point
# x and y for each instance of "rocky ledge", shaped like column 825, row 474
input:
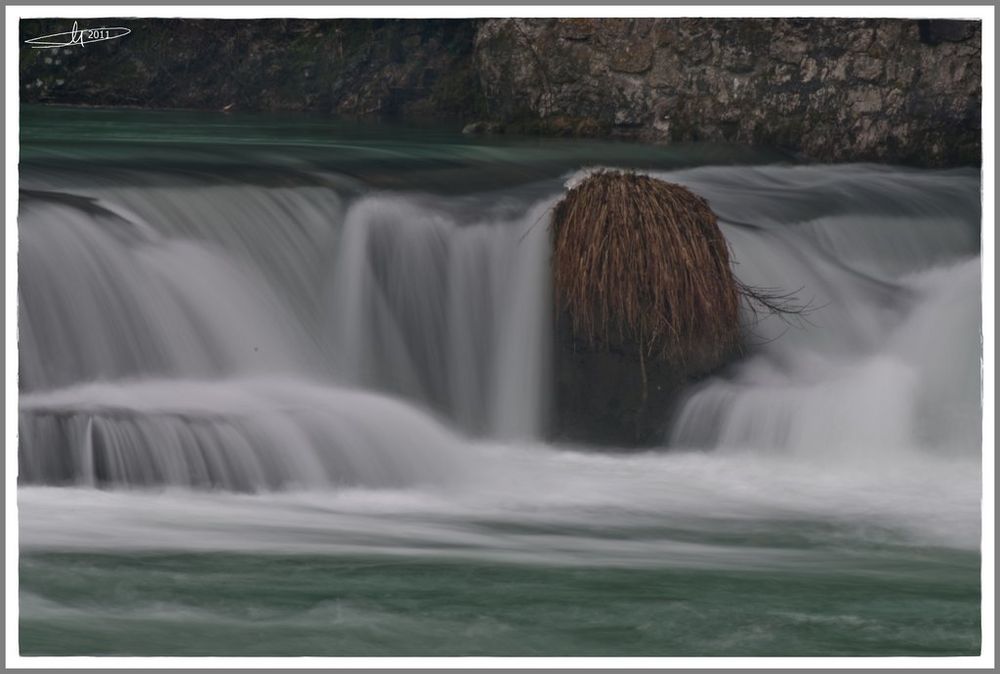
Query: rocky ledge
column 888, row 90
column 836, row 90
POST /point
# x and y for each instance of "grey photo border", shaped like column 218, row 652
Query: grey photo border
column 916, row 5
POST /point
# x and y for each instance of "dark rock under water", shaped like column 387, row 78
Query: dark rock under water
column 608, row 397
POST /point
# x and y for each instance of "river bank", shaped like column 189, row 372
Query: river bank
column 887, row 90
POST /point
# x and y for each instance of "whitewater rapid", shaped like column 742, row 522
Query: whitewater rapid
column 325, row 368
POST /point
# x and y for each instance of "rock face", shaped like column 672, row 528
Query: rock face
column 892, row 90
column 605, row 397
column 834, row 89
column 343, row 67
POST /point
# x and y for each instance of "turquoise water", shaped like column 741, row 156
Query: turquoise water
column 298, row 147
column 283, row 391
column 917, row 603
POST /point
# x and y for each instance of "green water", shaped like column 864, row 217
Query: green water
column 822, row 500
column 304, row 149
column 280, row 605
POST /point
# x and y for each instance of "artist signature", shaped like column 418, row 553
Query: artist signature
column 77, row 36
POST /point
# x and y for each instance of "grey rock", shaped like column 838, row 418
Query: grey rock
column 635, row 57
column 887, row 90
column 936, row 31
column 482, row 128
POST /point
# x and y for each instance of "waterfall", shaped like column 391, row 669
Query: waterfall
column 242, row 435
column 885, row 360
column 228, row 336
column 454, row 314
column 309, row 332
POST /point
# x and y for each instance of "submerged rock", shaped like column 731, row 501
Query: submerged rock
column 482, row 128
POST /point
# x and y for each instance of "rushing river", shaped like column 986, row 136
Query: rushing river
column 284, row 390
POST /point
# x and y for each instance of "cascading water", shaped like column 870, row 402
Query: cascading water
column 886, row 357
column 296, row 361
column 448, row 313
column 452, row 316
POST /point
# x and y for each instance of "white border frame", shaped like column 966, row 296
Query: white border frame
column 15, row 13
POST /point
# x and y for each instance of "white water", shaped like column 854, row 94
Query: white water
column 446, row 312
column 372, row 369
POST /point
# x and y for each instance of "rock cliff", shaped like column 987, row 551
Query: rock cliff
column 342, row 67
column 903, row 91
column 833, row 89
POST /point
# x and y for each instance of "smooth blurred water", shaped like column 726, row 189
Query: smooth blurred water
column 285, row 385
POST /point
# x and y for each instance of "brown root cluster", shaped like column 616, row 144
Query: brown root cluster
column 641, row 261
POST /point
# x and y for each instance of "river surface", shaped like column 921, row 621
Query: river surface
column 284, row 390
